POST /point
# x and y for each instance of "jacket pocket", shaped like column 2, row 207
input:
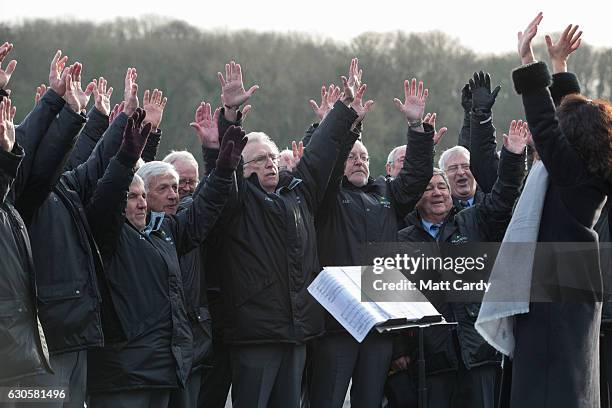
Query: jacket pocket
column 247, row 291
column 61, row 291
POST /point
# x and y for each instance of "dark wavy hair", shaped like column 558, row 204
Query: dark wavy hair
column 587, row 125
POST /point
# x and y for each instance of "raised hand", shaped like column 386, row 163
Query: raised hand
column 298, row 151
column 130, row 91
column 154, row 104
column 231, row 148
column 466, row 98
column 40, row 91
column 414, row 103
column 524, row 40
column 57, row 72
column 559, row 52
column 135, row 136
column 430, row 118
column 7, row 128
column 361, row 108
column 517, row 137
column 82, row 95
column 351, row 84
column 482, row 97
column 119, row 107
column 328, row 98
column 5, row 74
column 206, row 126
column 233, row 94
column 102, row 96
column 72, row 92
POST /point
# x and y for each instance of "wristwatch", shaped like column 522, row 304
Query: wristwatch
column 415, row 123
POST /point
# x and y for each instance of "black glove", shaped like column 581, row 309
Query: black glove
column 482, row 97
column 134, row 138
column 466, row 98
column 231, row 148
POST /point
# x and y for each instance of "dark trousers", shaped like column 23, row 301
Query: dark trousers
column 267, row 375
column 338, row 358
column 216, row 379
column 70, row 374
column 605, row 366
column 463, row 388
column 187, row 397
column 150, row 398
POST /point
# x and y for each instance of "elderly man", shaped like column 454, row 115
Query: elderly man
column 395, row 161
column 187, row 168
column 156, row 353
column 455, row 162
column 267, row 248
column 461, row 366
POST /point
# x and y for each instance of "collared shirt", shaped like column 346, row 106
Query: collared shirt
column 466, row 203
column 431, row 228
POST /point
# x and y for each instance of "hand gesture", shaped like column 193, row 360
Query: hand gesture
column 231, row 148
column 130, row 91
column 482, row 97
column 57, row 79
column 524, row 40
column 206, row 125
column 7, row 128
column 351, row 84
column 5, row 74
column 119, row 107
column 82, row 95
column 328, row 98
column 430, row 118
column 102, row 96
column 135, row 135
column 40, row 91
column 516, row 139
column 71, row 94
column 154, row 105
column 358, row 105
column 414, row 103
column 559, row 52
column 466, row 98
column 233, row 94
column 298, row 151
column 401, row 363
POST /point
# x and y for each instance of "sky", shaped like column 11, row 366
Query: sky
column 483, row 26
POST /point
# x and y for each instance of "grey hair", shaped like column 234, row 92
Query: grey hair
column 439, row 172
column 139, row 164
column 137, row 179
column 261, row 137
column 180, row 156
column 451, row 152
column 153, row 169
column 391, row 157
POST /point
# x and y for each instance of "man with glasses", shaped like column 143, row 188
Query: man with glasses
column 395, row 161
column 455, row 162
column 187, row 168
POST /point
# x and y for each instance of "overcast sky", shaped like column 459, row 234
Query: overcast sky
column 484, row 26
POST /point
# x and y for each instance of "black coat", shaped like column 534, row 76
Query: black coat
column 23, row 349
column 69, row 270
column 484, row 222
column 350, row 217
column 146, row 285
column 266, row 245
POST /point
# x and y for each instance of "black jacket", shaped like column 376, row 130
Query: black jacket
column 96, row 125
column 483, row 222
column 23, row 349
column 69, row 271
column 573, row 197
column 146, row 286
column 266, row 245
column 350, row 217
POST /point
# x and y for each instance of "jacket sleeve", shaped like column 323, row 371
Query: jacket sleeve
column 495, row 210
column 308, row 134
column 85, row 177
column 563, row 84
column 192, row 226
column 50, row 160
column 408, row 187
column 316, row 166
column 30, row 133
column 209, row 156
column 484, row 160
column 9, row 164
column 96, row 125
column 561, row 160
column 106, row 209
column 464, row 134
column 150, row 150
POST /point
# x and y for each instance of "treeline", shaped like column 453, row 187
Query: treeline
column 290, row 69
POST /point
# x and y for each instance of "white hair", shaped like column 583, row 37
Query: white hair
column 392, row 153
column 452, row 152
column 261, row 137
column 181, row 156
column 153, row 169
column 137, row 179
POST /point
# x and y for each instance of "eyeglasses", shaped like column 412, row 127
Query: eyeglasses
column 188, row 182
column 262, row 159
column 363, row 158
column 455, row 168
